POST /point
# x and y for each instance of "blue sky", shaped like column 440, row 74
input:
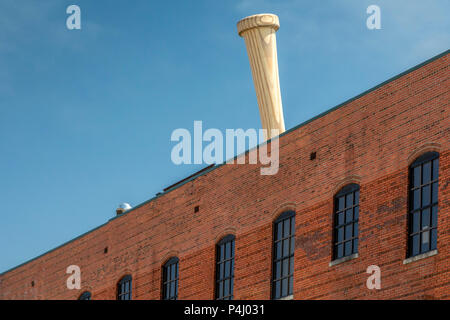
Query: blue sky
column 86, row 115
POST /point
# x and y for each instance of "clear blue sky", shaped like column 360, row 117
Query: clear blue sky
column 86, row 116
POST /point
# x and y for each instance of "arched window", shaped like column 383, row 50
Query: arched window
column 346, row 217
column 283, row 255
column 170, row 279
column 124, row 288
column 423, row 203
column 225, row 268
column 85, row 296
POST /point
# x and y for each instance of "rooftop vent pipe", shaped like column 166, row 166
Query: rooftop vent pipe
column 258, row 32
column 124, row 207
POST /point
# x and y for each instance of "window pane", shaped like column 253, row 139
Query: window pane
column 231, row 285
column 277, row 289
column 176, row 288
column 435, row 192
column 434, row 216
column 355, row 230
column 292, row 245
column 340, row 251
column 279, row 231
column 348, row 215
column 348, row 248
column 415, row 221
column 356, row 213
column 285, row 267
column 426, row 172
column 340, row 234
column 433, row 243
column 227, row 269
column 220, row 290
column 341, row 203
column 285, row 247
column 222, row 252
column 165, row 291
column 435, row 169
column 286, row 228
column 356, row 197
column 349, row 200
column 348, row 231
column 172, row 272
column 221, row 271
column 416, row 199
column 425, row 218
column 291, row 285
column 227, row 250
column 284, row 287
column 278, row 270
column 340, row 219
column 291, row 266
column 416, row 174
column 415, row 245
column 425, row 241
column 355, row 245
column 226, row 287
column 425, row 196
column 278, row 250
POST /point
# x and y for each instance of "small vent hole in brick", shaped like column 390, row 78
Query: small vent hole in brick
column 32, row 283
column 105, row 250
column 196, row 208
column 312, row 156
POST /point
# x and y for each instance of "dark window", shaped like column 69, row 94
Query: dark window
column 283, row 255
column 346, row 217
column 423, row 204
column 225, row 268
column 85, row 296
column 170, row 279
column 124, row 288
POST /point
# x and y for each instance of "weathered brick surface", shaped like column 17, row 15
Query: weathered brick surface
column 370, row 140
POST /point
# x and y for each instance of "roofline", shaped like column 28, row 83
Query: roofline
column 211, row 168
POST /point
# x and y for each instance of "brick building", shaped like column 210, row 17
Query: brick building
column 384, row 154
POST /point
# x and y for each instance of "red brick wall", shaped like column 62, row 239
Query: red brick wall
column 370, row 140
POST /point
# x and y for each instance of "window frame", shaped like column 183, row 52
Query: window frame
column 166, row 281
column 432, row 158
column 219, row 291
column 353, row 189
column 127, row 279
column 286, row 215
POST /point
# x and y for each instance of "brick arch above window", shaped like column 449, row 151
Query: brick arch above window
column 85, row 295
column 423, row 149
column 166, row 257
column 353, row 179
column 125, row 272
column 225, row 232
column 85, row 289
column 287, row 206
